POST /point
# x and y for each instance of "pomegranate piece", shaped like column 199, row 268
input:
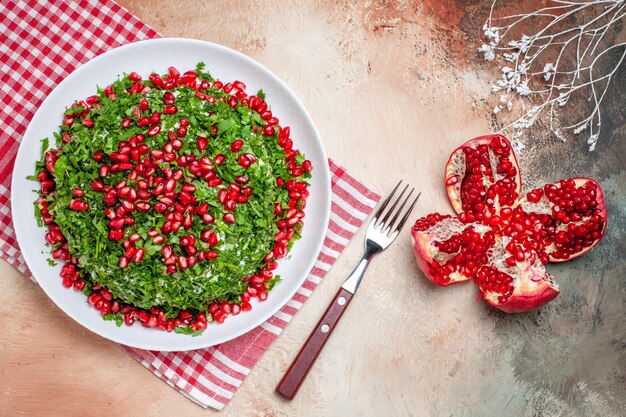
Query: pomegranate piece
column 449, row 251
column 503, row 240
column 564, row 220
column 482, row 175
column 514, row 287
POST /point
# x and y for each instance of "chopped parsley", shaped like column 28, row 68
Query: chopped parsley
column 117, row 120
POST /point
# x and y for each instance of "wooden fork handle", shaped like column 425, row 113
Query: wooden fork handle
column 301, row 365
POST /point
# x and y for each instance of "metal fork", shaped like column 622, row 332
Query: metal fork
column 381, row 232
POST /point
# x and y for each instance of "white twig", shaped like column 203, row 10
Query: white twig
column 557, row 61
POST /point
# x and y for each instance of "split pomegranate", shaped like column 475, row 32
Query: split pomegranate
column 502, row 240
column 162, row 199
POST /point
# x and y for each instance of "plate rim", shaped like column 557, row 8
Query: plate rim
column 194, row 343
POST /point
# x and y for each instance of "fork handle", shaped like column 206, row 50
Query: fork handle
column 301, row 365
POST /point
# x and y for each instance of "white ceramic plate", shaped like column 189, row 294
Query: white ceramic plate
column 145, row 57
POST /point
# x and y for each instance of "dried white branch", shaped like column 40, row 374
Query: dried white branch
column 559, row 60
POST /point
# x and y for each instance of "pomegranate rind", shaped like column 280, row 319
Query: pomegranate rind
column 600, row 210
column 455, row 169
column 528, row 300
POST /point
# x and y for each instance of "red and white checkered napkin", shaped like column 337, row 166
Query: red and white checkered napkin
column 43, row 41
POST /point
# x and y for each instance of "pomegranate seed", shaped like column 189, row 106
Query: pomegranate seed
column 244, row 161
column 222, row 195
column 138, row 255
column 219, row 159
column 229, row 218
column 215, row 182
column 98, row 156
column 91, row 100
column 174, row 73
column 236, row 145
column 155, row 118
column 157, row 154
column 185, row 198
column 78, row 205
column 128, row 205
column 169, row 98
column 116, row 235
column 182, row 262
column 104, row 170
column 188, row 188
column 94, row 298
column 144, row 121
column 268, row 131
column 170, row 110
column 130, row 250
column 123, row 262
column 242, row 179
column 235, row 309
column 154, row 130
column 116, row 224
column 143, row 104
column 230, row 205
column 202, row 209
column 202, row 143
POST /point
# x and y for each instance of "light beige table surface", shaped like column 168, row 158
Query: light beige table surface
column 391, row 100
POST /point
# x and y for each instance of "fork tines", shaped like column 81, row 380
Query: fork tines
column 392, row 221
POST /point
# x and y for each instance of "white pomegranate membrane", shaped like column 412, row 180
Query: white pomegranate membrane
column 500, row 240
column 170, row 199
